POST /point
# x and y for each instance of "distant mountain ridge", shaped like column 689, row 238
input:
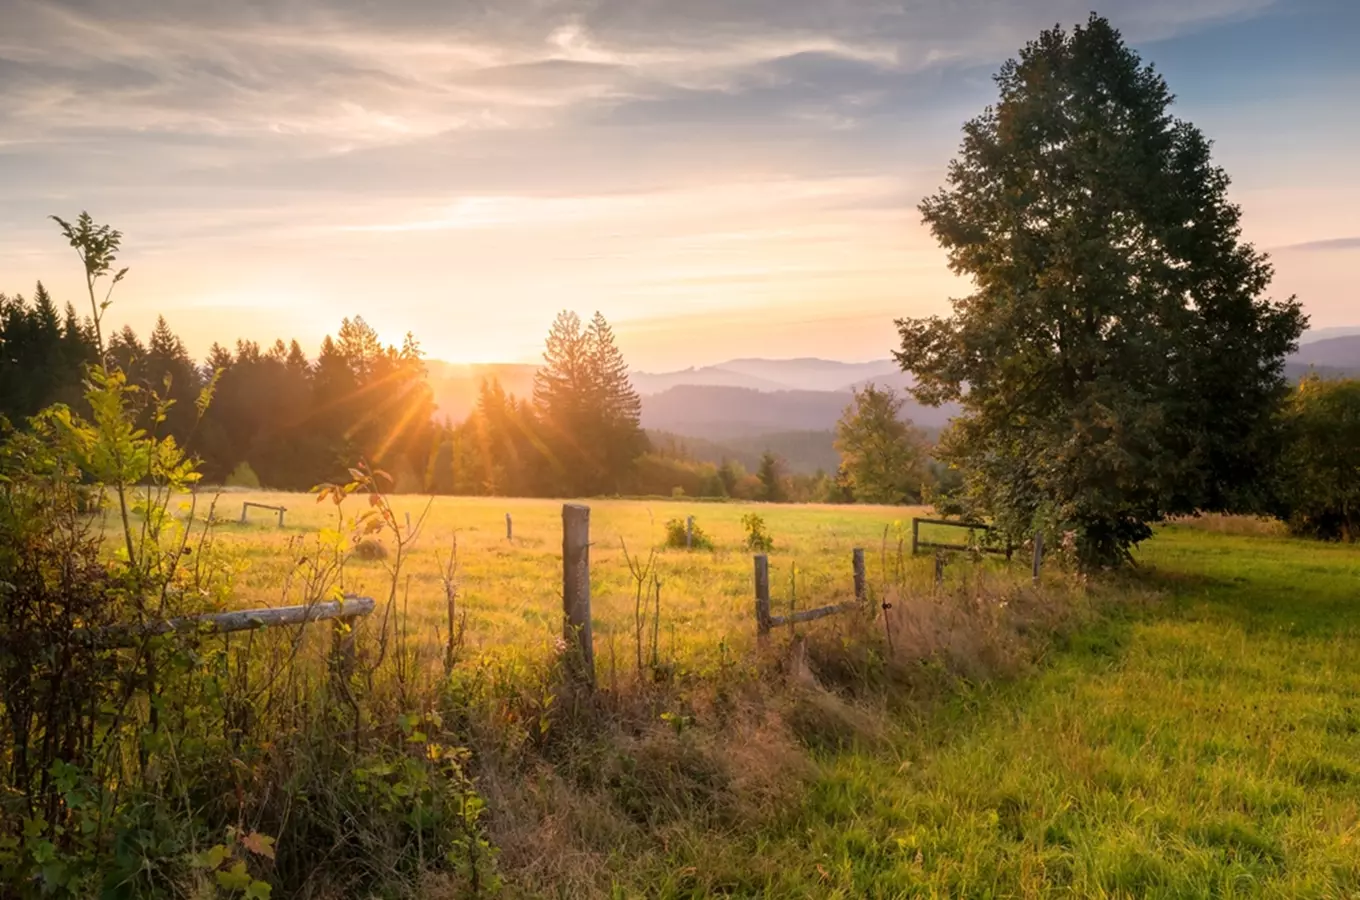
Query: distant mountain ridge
column 747, row 398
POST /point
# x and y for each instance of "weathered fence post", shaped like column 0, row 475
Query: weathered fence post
column 282, row 510
column 1038, row 554
column 576, row 590
column 509, row 528
column 857, row 562
column 915, row 535
column 243, row 512
column 939, row 569
column 762, row 596
column 689, row 533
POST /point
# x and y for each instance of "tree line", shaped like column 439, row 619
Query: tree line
column 283, row 420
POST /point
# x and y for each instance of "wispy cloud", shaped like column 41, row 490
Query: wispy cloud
column 651, row 157
column 1342, row 243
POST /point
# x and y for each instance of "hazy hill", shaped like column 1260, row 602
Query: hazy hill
column 803, row 451
column 723, row 413
column 1330, row 353
column 709, row 376
column 745, row 398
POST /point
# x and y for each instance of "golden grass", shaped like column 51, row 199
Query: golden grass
column 511, row 589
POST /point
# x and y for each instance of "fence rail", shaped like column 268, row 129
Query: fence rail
column 765, row 621
column 346, row 610
column 917, row 544
column 250, row 504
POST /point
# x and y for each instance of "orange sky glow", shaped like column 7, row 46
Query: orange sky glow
column 736, row 180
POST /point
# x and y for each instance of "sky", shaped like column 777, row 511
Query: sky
column 720, row 178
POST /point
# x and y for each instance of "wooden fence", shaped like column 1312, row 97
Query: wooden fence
column 247, row 505
column 917, row 544
column 576, row 613
column 765, row 621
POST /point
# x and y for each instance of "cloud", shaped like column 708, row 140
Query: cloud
column 1343, row 243
column 723, row 152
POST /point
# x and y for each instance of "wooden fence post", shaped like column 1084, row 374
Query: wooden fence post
column 243, row 513
column 762, row 596
column 1038, row 554
column 857, row 562
column 509, row 528
column 282, row 510
column 576, row 590
column 915, row 535
column 689, row 533
column 939, row 569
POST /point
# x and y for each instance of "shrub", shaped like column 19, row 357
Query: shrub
column 1321, row 486
column 757, row 538
column 370, row 549
column 243, row 476
column 676, row 533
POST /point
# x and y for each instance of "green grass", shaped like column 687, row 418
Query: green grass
column 1207, row 747
column 1204, row 745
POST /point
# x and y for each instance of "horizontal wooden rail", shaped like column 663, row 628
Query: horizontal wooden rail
column 242, row 620
column 249, row 504
column 917, row 544
column 765, row 621
column 931, row 545
column 954, row 524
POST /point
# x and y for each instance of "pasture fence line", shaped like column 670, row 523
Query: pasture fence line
column 249, row 504
column 917, row 544
column 576, row 600
column 765, row 621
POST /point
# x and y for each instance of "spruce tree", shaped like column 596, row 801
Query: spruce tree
column 616, row 404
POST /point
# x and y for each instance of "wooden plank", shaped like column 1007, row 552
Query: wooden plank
column 242, row 620
column 961, row 547
column 983, row 526
column 576, row 591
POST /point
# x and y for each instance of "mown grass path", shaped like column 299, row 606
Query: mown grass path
column 1207, row 747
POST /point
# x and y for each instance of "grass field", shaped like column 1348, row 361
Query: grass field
column 511, row 589
column 1206, row 744
column 1207, row 747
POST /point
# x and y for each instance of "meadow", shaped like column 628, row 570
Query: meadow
column 1199, row 737
column 511, row 589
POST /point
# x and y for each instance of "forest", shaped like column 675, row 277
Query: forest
column 282, row 420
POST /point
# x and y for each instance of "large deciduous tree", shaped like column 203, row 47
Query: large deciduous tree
column 1118, row 360
column 883, row 458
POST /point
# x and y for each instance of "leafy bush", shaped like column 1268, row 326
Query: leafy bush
column 243, row 476
column 676, row 534
column 1321, row 493
column 757, row 538
column 131, row 756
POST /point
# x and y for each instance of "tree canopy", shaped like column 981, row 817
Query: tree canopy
column 883, row 459
column 1321, row 467
column 1118, row 360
